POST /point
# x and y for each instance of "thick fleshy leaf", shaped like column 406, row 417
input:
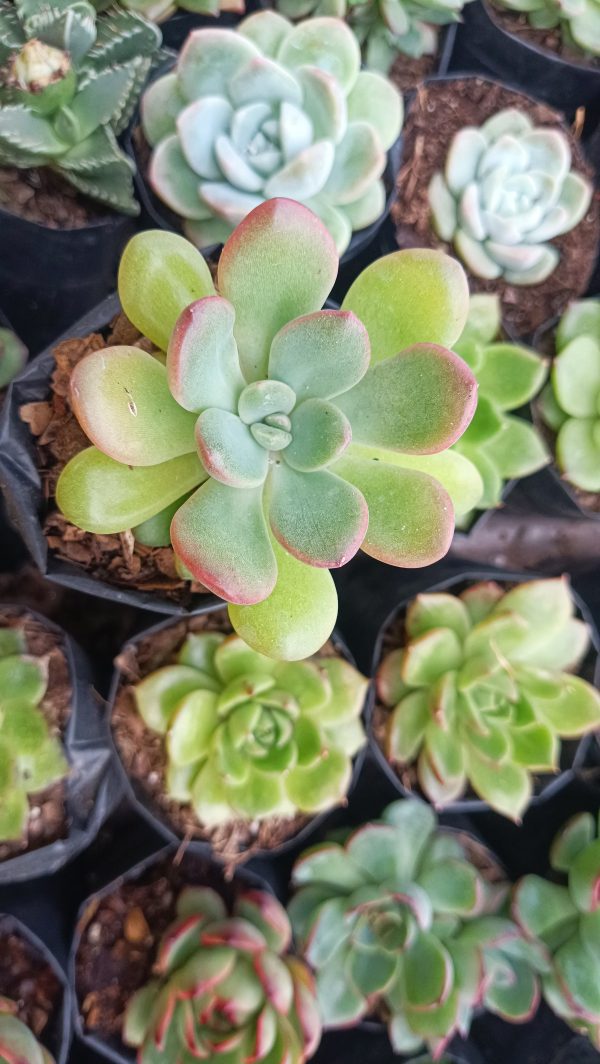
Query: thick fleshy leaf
column 228, row 451
column 324, row 103
column 209, row 59
column 573, row 838
column 298, row 616
column 456, row 473
column 518, row 449
column 158, row 695
column 584, row 878
column 103, row 496
column 159, row 275
column 430, row 656
column 541, row 907
column 202, row 362
column 264, row 79
column 419, row 402
column 320, row 433
column 437, row 609
column 581, row 318
column 320, row 355
column 506, row 787
column 411, row 520
column 578, row 453
column 406, row 727
column 122, row 401
column 367, row 208
column 267, row 30
column 285, row 245
column 376, row 100
column 305, row 175
column 576, row 377
column 199, row 125
column 452, row 885
column 174, row 181
column 510, row 375
column 322, row 785
column 341, row 1003
column 317, row 517
column 359, row 161
column 326, row 43
column 573, row 974
column 427, row 971
column 159, row 106
column 221, row 536
column 410, row 297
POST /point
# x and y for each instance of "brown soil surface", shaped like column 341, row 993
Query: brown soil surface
column 48, row 819
column 550, row 40
column 41, row 196
column 29, row 982
column 440, row 110
column 407, row 73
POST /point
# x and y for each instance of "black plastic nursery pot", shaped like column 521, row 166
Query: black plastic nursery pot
column 63, row 819
column 117, row 934
column 370, row 1045
column 23, row 484
column 31, row 976
column 483, row 44
column 50, row 277
column 178, row 26
column 442, row 107
column 141, row 759
column 574, row 753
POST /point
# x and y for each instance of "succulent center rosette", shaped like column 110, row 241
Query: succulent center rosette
column 480, row 693
column 225, row 987
column 31, row 758
column 565, row 919
column 300, row 439
column 250, row 737
column 266, row 110
column 18, row 1045
column 399, row 922
column 570, row 404
column 506, row 190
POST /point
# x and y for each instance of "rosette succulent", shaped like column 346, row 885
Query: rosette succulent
column 506, row 190
column 295, row 428
column 225, row 987
column 270, row 109
column 566, row 920
column 18, row 1045
column 579, row 20
column 249, row 737
column 570, row 404
column 69, row 82
column 399, row 922
column 480, row 694
column 30, row 757
column 499, row 444
column 13, row 355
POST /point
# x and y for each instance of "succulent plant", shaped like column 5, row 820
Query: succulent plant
column 478, row 695
column 13, row 355
column 225, row 987
column 267, row 110
column 250, row 737
column 579, row 20
column 566, row 920
column 506, row 190
column 399, row 922
column 68, row 85
column 295, row 426
column 500, row 445
column 158, row 10
column 30, row 757
column 18, row 1045
column 570, row 403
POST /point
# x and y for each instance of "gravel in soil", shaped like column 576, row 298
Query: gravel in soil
column 550, row 40
column 39, row 195
column 29, row 982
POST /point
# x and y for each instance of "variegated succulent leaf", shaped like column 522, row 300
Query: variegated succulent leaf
column 31, row 757
column 579, row 20
column 225, row 986
column 507, row 190
column 269, row 110
column 247, row 737
column 564, row 917
column 398, row 920
column 570, row 404
column 483, row 690
column 13, row 355
column 265, row 406
column 17, row 1041
column 69, row 84
column 501, row 445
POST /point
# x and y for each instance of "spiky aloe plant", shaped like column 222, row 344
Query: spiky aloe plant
column 18, row 1045
column 499, row 444
column 271, row 109
column 399, row 922
column 506, row 190
column 225, row 987
column 30, row 758
column 13, row 355
column 249, row 737
column 570, row 404
column 68, row 85
column 579, row 20
column 566, row 920
column 294, row 427
column 478, row 696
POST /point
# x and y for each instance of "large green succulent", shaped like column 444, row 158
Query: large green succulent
column 506, row 190
column 225, row 987
column 250, row 737
column 478, row 695
column 566, row 920
column 500, row 445
column 68, row 85
column 18, row 1045
column 399, row 922
column 294, row 427
column 570, row 404
column 271, row 109
column 30, row 758
column 579, row 20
